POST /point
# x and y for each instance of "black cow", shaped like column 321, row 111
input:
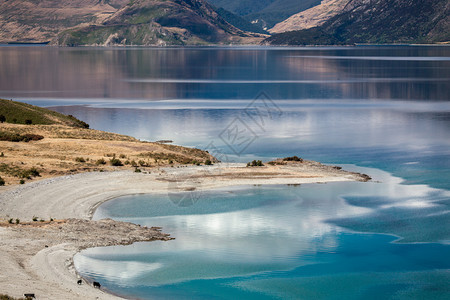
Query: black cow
column 80, row 282
column 29, row 296
column 97, row 284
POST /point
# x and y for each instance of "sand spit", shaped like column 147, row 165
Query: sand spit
column 37, row 257
column 28, row 266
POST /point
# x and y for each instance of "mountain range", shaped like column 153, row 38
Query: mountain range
column 118, row 22
column 211, row 22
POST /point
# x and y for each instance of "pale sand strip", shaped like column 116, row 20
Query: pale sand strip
column 27, row 266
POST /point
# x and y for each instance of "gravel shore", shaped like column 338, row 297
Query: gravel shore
column 37, row 258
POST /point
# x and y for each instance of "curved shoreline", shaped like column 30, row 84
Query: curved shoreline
column 29, row 266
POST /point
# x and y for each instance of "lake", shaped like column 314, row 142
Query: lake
column 384, row 111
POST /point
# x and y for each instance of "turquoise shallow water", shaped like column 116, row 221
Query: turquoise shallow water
column 314, row 241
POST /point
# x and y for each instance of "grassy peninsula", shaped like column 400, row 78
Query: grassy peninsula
column 39, row 143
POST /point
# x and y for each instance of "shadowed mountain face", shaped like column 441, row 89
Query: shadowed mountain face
column 265, row 13
column 113, row 22
column 378, row 22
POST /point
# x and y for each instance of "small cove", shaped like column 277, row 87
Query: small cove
column 280, row 242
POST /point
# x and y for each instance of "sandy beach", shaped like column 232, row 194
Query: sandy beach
column 38, row 259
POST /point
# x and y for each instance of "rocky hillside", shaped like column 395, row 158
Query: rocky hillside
column 116, row 22
column 315, row 16
column 377, row 22
column 40, row 21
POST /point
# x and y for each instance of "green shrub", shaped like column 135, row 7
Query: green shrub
column 255, row 163
column 137, row 170
column 122, row 156
column 10, row 221
column 127, row 162
column 2, row 154
column 2, row 181
column 208, row 162
column 6, row 297
column 80, row 159
column 31, row 137
column 142, row 163
column 17, row 221
column 15, row 137
column 28, row 122
column 22, row 181
column 33, row 172
column 293, row 158
column 133, row 163
column 2, row 118
column 101, row 161
column 10, row 137
column 35, row 219
column 115, row 162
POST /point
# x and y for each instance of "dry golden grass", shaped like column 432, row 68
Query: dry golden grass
column 67, row 150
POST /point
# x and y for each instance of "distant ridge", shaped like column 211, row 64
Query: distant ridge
column 265, row 13
column 377, row 22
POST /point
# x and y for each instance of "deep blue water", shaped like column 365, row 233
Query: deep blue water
column 381, row 110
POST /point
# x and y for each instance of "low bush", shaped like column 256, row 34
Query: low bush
column 32, row 137
column 15, row 137
column 208, row 162
column 2, row 181
column 293, row 158
column 115, row 162
column 33, row 172
column 6, row 297
column 80, row 159
column 101, row 161
column 255, row 163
